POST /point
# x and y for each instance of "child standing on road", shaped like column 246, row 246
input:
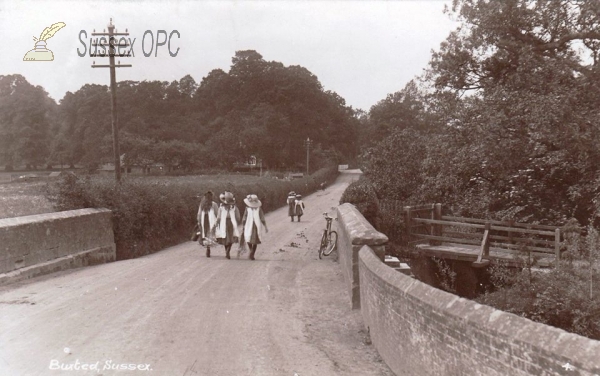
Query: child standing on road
column 291, row 201
column 254, row 223
column 207, row 218
column 299, row 206
column 227, row 222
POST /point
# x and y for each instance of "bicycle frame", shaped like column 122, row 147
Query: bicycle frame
column 326, row 240
column 329, row 220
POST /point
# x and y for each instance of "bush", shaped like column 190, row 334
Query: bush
column 150, row 214
column 362, row 195
column 564, row 296
column 391, row 223
column 559, row 297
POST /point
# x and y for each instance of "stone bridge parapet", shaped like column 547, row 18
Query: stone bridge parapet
column 45, row 243
column 353, row 233
column 420, row 330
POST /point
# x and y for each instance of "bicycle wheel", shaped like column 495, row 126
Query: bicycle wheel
column 323, row 244
column 331, row 243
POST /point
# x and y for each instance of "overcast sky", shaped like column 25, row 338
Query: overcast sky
column 363, row 50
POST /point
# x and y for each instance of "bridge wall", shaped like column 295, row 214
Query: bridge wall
column 420, row 330
column 45, row 243
column 353, row 233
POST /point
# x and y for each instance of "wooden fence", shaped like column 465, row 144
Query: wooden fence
column 426, row 224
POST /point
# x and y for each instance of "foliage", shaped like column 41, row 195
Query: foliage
column 509, row 104
column 557, row 297
column 564, row 296
column 153, row 213
column 26, row 122
column 361, row 194
column 503, row 125
column 259, row 108
column 445, row 275
column 391, row 223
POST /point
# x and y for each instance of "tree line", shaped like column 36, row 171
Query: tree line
column 504, row 121
column 259, row 108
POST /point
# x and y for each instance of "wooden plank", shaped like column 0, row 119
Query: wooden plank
column 424, row 207
column 547, row 243
column 516, row 247
column 500, row 223
column 437, row 229
column 470, row 220
column 465, row 234
column 522, row 230
column 485, row 242
column 470, row 253
column 506, row 246
column 446, row 223
column 484, row 249
column 408, row 223
column 557, row 244
column 450, row 240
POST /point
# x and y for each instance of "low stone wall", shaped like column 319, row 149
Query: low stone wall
column 420, row 330
column 353, row 233
column 45, row 243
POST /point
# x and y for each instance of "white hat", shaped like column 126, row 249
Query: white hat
column 252, row 201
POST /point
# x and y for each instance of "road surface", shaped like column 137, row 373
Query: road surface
column 176, row 312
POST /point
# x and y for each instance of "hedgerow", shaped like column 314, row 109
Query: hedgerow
column 361, row 194
column 149, row 215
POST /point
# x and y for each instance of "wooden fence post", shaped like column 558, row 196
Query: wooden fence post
column 407, row 224
column 485, row 248
column 431, row 226
column 486, row 239
column 557, row 244
column 437, row 228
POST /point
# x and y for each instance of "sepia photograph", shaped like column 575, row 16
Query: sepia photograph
column 300, row 187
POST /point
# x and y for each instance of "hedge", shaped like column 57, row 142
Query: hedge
column 150, row 215
column 361, row 194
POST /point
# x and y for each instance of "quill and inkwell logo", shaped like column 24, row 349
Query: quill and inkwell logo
column 40, row 52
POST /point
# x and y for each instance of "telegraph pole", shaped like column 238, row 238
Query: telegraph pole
column 307, row 143
column 112, row 34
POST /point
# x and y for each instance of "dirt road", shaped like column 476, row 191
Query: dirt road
column 178, row 313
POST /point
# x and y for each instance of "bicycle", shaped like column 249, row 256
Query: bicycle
column 329, row 239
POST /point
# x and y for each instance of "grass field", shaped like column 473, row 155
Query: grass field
column 27, row 198
column 23, row 198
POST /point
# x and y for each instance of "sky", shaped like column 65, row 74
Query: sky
column 362, row 50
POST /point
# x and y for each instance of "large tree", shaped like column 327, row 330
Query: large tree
column 27, row 115
column 259, row 108
column 515, row 112
column 268, row 110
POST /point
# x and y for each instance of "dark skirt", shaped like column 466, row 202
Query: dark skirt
column 254, row 236
column 206, row 231
column 229, row 238
column 291, row 209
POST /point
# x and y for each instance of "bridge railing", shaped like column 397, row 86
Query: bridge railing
column 426, row 224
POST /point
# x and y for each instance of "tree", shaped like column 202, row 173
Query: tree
column 526, row 131
column 403, row 109
column 26, row 116
column 274, row 106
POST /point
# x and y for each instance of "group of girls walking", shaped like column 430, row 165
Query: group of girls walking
column 219, row 224
column 295, row 205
